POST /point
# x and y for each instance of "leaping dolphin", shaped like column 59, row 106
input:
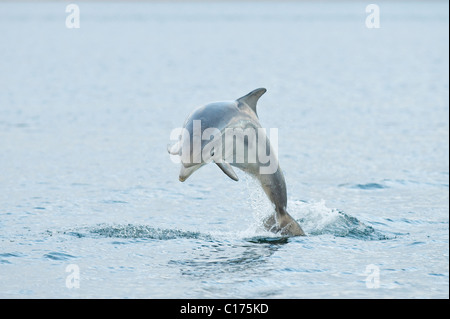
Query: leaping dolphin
column 195, row 149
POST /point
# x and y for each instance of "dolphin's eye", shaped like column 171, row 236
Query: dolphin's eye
column 212, row 153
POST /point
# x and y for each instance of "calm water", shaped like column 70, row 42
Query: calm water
column 86, row 182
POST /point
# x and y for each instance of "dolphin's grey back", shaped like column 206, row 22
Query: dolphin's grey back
column 216, row 114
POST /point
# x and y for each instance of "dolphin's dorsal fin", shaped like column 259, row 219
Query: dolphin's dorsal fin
column 228, row 170
column 252, row 98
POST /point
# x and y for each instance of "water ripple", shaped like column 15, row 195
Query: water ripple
column 130, row 231
column 58, row 256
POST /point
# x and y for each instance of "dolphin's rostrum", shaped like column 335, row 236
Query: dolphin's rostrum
column 237, row 140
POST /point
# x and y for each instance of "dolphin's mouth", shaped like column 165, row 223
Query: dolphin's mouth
column 182, row 178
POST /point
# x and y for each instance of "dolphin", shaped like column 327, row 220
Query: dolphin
column 237, row 119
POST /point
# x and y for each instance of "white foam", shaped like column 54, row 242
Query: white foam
column 315, row 217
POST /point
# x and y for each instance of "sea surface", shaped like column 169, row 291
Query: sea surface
column 90, row 202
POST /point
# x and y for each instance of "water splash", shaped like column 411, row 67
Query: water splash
column 318, row 219
column 261, row 206
column 315, row 218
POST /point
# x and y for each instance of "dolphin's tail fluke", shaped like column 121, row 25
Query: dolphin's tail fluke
column 283, row 223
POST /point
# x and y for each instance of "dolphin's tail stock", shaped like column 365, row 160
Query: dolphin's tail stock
column 283, row 223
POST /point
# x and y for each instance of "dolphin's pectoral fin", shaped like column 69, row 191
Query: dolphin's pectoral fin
column 252, row 98
column 228, row 170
